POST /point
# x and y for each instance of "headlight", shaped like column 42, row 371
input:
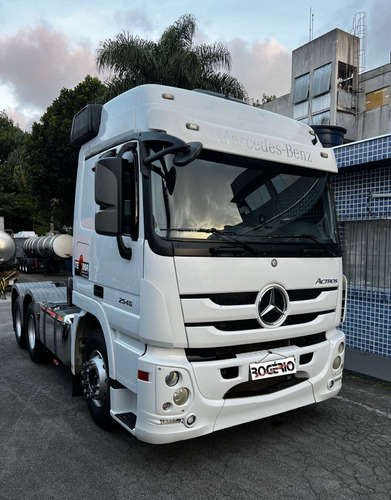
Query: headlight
column 181, row 396
column 337, row 362
column 172, row 379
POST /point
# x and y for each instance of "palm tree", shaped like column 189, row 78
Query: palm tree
column 173, row 60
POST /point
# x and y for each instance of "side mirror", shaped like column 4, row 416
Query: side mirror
column 108, row 195
column 186, row 155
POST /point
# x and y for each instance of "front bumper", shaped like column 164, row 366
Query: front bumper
column 159, row 420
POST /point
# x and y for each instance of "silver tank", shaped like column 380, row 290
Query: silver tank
column 7, row 248
column 58, row 246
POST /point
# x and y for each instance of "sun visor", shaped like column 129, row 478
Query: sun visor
column 86, row 124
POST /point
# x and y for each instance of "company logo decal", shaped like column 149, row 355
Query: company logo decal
column 273, row 306
column 82, row 268
column 264, row 145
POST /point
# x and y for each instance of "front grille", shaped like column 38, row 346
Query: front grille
column 246, row 298
column 307, row 294
column 227, row 299
column 230, row 352
column 262, row 387
column 253, row 324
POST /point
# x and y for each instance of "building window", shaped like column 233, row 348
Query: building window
column 321, row 118
column 367, row 253
column 320, row 103
column 345, row 76
column 300, row 109
column 321, row 80
column 301, row 88
column 378, row 98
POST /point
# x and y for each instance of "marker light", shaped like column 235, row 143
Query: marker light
column 143, row 376
column 192, row 126
column 341, row 348
column 181, row 396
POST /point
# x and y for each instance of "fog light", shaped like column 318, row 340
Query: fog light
column 172, row 379
column 190, row 421
column 337, row 362
column 330, row 384
column 167, row 406
column 181, row 396
column 341, row 348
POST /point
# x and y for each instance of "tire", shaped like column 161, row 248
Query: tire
column 34, row 346
column 20, row 333
column 95, row 380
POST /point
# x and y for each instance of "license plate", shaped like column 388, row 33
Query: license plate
column 275, row 368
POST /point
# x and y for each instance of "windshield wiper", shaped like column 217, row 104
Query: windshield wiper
column 217, row 232
column 304, row 236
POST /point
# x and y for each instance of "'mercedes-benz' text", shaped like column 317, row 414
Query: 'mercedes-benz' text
column 264, row 145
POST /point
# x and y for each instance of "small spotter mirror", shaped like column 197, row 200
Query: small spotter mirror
column 188, row 154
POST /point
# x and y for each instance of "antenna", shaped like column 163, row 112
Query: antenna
column 311, row 26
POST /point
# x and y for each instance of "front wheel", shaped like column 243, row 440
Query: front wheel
column 34, row 346
column 95, row 379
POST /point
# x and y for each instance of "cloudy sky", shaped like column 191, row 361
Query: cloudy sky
column 46, row 45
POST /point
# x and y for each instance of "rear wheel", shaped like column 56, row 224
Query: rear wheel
column 20, row 334
column 34, row 346
column 95, row 379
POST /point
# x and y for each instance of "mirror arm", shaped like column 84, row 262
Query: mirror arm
column 162, row 152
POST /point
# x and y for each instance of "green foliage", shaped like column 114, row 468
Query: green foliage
column 265, row 99
column 10, row 136
column 173, row 60
column 51, row 162
column 16, row 202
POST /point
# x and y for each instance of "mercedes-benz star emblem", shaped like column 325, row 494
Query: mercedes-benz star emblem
column 272, row 306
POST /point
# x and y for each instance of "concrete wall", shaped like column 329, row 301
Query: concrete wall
column 376, row 121
column 282, row 105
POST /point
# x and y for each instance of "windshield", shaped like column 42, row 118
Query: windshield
column 242, row 200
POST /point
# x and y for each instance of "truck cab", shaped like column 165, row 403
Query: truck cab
column 207, row 266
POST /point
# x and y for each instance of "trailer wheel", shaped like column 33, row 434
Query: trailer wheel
column 34, row 346
column 20, row 334
column 95, row 379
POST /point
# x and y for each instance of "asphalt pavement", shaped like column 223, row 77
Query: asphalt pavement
column 51, row 449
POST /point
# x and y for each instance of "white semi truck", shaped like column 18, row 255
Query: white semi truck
column 207, row 288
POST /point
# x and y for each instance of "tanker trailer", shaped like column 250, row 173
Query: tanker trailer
column 8, row 271
column 7, row 248
column 46, row 253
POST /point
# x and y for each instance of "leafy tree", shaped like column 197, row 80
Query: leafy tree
column 51, row 162
column 173, row 60
column 265, row 99
column 10, row 135
column 15, row 198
